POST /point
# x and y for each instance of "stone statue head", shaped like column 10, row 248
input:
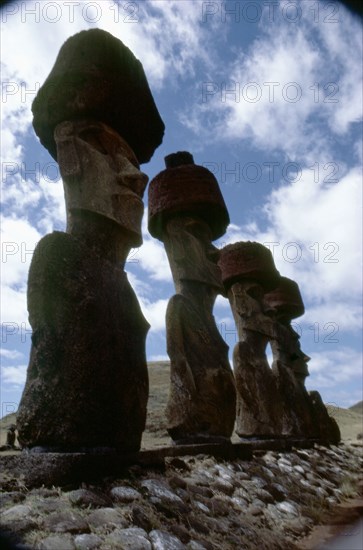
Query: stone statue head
column 101, row 174
column 285, row 300
column 246, row 299
column 192, row 256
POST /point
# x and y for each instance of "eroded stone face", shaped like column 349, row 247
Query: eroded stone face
column 187, row 211
column 101, row 175
column 191, row 254
column 259, row 409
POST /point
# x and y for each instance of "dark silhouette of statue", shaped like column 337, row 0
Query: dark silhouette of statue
column 248, row 271
column 87, row 381
column 187, row 212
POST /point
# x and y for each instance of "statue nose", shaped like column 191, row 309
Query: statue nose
column 136, row 182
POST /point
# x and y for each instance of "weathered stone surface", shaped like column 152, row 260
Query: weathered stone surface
column 85, row 498
column 101, row 175
column 66, row 522
column 187, row 211
column 223, row 486
column 11, row 436
column 219, row 506
column 124, row 494
column 163, row 498
column 11, row 497
column 59, row 542
column 246, row 520
column 287, row 508
column 96, row 76
column 304, row 415
column 201, row 406
column 130, row 539
column 165, row 541
column 327, row 426
column 105, row 517
column 203, row 507
column 159, row 489
column 87, row 541
column 49, row 505
column 271, row 402
column 194, row 545
column 15, row 513
column 247, row 271
column 140, row 518
column 91, row 376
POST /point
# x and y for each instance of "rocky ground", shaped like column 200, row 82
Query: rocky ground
column 196, row 502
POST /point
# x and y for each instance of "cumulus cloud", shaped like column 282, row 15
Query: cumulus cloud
column 295, row 82
column 333, row 372
column 154, row 313
column 153, row 259
column 11, row 353
column 14, row 375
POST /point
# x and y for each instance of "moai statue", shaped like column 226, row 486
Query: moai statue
column 187, row 212
column 306, row 414
column 283, row 304
column 328, row 428
column 87, row 381
column 248, row 271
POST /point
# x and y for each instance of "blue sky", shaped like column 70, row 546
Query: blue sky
column 268, row 96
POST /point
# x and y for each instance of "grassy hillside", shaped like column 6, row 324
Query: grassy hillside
column 350, row 420
column 357, row 408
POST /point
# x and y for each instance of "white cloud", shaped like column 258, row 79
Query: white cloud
column 18, row 241
column 343, row 316
column 14, row 375
column 337, row 374
column 293, row 83
column 153, row 259
column 326, row 219
column 154, row 312
column 11, row 353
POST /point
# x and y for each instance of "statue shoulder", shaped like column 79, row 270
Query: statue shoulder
column 54, row 242
column 177, row 305
column 52, row 252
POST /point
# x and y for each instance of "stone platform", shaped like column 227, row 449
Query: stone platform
column 50, row 468
column 195, row 502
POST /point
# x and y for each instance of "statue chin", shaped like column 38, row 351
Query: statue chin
column 207, row 273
